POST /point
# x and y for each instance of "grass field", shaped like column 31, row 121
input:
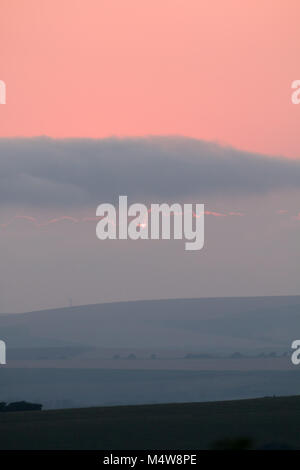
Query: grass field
column 266, row 422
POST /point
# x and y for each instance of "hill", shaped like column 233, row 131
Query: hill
column 262, row 423
column 216, row 324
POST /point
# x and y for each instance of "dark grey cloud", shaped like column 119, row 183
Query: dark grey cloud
column 51, row 172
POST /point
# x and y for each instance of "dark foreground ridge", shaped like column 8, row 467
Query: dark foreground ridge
column 264, row 423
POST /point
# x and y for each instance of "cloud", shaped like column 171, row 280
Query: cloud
column 45, row 172
column 36, row 223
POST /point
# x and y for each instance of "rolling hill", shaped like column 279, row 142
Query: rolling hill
column 266, row 423
column 195, row 324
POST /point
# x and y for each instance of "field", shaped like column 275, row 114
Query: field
column 264, row 423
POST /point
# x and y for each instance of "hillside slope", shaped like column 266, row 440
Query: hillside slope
column 216, row 323
column 266, row 422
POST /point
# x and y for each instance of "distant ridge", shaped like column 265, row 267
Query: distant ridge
column 205, row 324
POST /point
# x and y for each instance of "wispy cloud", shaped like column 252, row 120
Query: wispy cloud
column 35, row 222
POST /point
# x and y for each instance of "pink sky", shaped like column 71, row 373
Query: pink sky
column 217, row 70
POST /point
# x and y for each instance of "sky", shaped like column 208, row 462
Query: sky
column 212, row 70
column 163, row 101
